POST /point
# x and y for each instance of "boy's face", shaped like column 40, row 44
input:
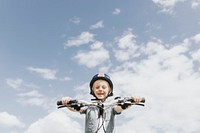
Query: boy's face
column 101, row 89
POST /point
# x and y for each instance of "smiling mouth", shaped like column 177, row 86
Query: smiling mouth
column 100, row 94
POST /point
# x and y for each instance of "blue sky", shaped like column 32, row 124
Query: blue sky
column 51, row 49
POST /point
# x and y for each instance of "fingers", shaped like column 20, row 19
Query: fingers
column 66, row 100
column 137, row 99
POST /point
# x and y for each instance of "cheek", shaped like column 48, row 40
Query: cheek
column 107, row 90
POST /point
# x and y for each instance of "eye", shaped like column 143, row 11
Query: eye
column 104, row 87
column 97, row 87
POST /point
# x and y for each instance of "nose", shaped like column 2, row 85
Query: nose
column 101, row 88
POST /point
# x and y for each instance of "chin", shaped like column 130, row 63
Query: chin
column 101, row 98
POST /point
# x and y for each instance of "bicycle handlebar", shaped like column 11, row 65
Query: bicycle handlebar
column 59, row 102
column 118, row 101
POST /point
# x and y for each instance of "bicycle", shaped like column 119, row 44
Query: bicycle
column 103, row 106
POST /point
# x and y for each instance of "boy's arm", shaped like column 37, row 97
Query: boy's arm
column 119, row 109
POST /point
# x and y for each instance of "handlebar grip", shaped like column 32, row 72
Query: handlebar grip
column 59, row 103
column 143, row 100
column 70, row 102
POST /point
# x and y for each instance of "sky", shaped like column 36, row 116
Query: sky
column 51, row 49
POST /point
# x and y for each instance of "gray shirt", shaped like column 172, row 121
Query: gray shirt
column 95, row 123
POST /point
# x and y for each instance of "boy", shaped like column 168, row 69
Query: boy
column 100, row 120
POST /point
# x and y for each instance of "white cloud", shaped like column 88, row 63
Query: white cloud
column 196, row 38
column 32, row 98
column 195, row 4
column 55, row 122
column 196, row 55
column 127, row 46
column 127, row 40
column 33, row 93
column 116, row 11
column 96, row 45
column 33, row 101
column 83, row 38
column 65, row 79
column 75, row 20
column 98, row 25
column 46, row 73
column 194, row 42
column 19, row 84
column 167, row 5
column 15, row 83
column 167, row 2
column 9, row 120
column 152, row 27
column 97, row 56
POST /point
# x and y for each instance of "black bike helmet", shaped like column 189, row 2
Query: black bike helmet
column 101, row 76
